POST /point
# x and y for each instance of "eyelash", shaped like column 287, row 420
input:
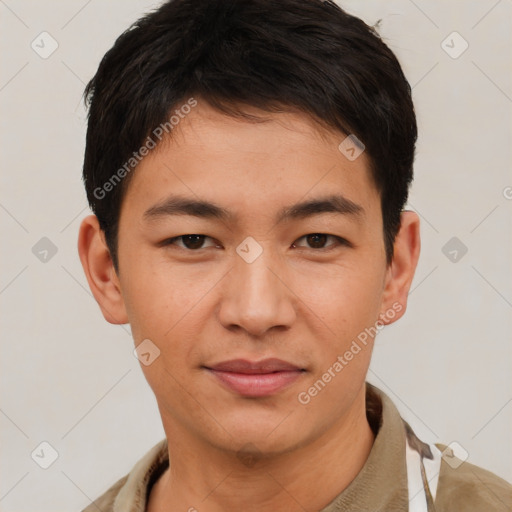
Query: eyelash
column 339, row 242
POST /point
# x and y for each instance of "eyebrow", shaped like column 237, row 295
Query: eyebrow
column 178, row 205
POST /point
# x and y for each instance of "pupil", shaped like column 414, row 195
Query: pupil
column 193, row 241
column 317, row 240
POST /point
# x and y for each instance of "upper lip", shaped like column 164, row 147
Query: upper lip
column 254, row 367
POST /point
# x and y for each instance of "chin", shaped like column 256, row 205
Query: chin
column 263, row 435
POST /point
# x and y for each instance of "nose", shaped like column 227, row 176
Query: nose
column 256, row 297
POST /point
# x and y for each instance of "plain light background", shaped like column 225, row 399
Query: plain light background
column 70, row 379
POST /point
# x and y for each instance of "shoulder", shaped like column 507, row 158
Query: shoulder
column 105, row 502
column 464, row 486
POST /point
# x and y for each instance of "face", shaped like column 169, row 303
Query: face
column 252, row 256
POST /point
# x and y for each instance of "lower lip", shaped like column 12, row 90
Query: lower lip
column 254, row 385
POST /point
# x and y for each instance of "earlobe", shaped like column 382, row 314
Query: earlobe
column 400, row 272
column 100, row 272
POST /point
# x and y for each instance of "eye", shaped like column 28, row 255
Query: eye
column 319, row 241
column 189, row 242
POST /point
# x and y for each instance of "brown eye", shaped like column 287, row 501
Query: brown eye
column 317, row 240
column 191, row 242
column 320, row 241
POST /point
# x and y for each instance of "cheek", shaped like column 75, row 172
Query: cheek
column 346, row 299
column 155, row 300
column 169, row 304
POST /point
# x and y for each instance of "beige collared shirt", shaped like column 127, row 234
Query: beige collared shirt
column 381, row 485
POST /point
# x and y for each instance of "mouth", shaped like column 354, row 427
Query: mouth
column 255, row 378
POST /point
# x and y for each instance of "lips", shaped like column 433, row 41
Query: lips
column 248, row 367
column 255, row 378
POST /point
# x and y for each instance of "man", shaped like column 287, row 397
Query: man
column 248, row 162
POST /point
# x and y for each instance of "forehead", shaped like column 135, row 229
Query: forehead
column 275, row 159
column 205, row 124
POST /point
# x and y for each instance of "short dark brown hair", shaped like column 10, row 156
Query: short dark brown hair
column 291, row 55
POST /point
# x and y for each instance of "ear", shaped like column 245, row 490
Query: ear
column 400, row 271
column 100, row 272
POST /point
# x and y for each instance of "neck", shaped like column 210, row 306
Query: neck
column 308, row 478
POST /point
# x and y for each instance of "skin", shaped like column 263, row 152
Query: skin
column 299, row 301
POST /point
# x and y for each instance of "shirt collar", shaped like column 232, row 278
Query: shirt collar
column 380, row 485
column 382, row 482
column 133, row 495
